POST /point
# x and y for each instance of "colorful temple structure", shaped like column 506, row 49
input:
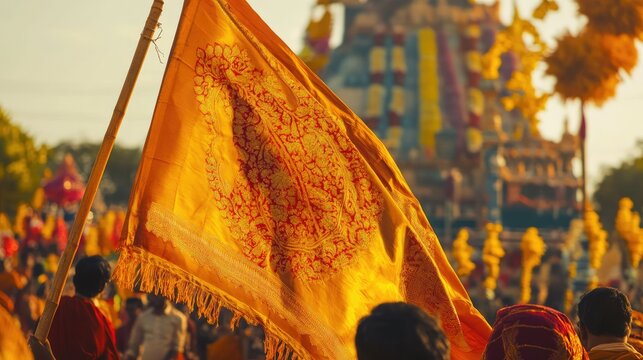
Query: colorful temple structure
column 414, row 70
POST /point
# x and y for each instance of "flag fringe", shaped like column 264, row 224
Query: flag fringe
column 139, row 270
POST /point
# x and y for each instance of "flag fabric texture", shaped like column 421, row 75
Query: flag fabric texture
column 260, row 191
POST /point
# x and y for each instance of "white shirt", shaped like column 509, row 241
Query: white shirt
column 153, row 336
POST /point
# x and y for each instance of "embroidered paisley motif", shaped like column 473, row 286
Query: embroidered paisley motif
column 297, row 194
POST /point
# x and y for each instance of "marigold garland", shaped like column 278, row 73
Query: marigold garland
column 581, row 69
column 618, row 17
column 544, row 8
column 621, row 51
column 430, row 117
column 533, row 248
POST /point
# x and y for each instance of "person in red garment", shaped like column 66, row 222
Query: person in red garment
column 80, row 330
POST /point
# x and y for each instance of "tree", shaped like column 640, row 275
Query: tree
column 22, row 164
column 620, row 181
column 119, row 175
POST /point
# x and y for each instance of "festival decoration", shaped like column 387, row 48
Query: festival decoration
column 67, row 186
column 8, row 244
column 105, row 232
column 520, row 39
column 475, row 108
column 620, row 50
column 39, row 197
column 397, row 105
column 634, row 241
column 582, row 70
column 317, row 43
column 376, row 88
column 455, row 105
column 462, row 252
column 92, row 247
column 597, row 238
column 19, row 227
column 492, row 254
column 569, row 293
column 618, row 17
column 533, row 248
column 628, row 226
column 291, row 194
column 545, row 7
column 49, row 227
column 430, row 117
column 623, row 219
column 60, row 233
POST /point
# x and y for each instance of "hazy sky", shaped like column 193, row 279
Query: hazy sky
column 62, row 64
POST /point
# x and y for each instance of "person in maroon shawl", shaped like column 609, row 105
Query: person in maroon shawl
column 533, row 332
column 80, row 330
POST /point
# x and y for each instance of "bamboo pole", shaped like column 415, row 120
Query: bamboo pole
column 97, row 171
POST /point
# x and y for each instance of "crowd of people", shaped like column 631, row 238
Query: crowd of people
column 153, row 328
column 95, row 320
column 605, row 331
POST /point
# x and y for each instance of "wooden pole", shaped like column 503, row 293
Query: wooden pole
column 97, row 172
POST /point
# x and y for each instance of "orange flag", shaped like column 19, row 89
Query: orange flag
column 260, row 191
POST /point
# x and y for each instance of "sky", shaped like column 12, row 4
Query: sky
column 62, row 64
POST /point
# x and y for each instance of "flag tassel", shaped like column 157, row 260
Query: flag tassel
column 148, row 273
column 97, row 171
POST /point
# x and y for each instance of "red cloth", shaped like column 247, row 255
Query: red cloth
column 533, row 332
column 9, row 245
column 81, row 332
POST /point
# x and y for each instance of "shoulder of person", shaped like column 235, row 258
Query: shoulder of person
column 178, row 314
column 146, row 313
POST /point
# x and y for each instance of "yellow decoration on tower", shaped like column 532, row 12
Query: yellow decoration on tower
column 597, row 238
column 522, row 39
column 462, row 252
column 430, row 117
column 545, row 7
column 533, row 248
column 492, row 254
column 624, row 217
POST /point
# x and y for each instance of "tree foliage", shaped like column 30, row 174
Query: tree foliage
column 22, row 164
column 119, row 175
column 618, row 182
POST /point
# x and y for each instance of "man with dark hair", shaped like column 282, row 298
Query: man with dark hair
column 400, row 331
column 159, row 332
column 80, row 330
column 605, row 318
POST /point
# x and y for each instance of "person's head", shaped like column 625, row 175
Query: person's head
column 533, row 332
column 156, row 302
column 92, row 273
column 604, row 312
column 133, row 307
column 400, row 331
